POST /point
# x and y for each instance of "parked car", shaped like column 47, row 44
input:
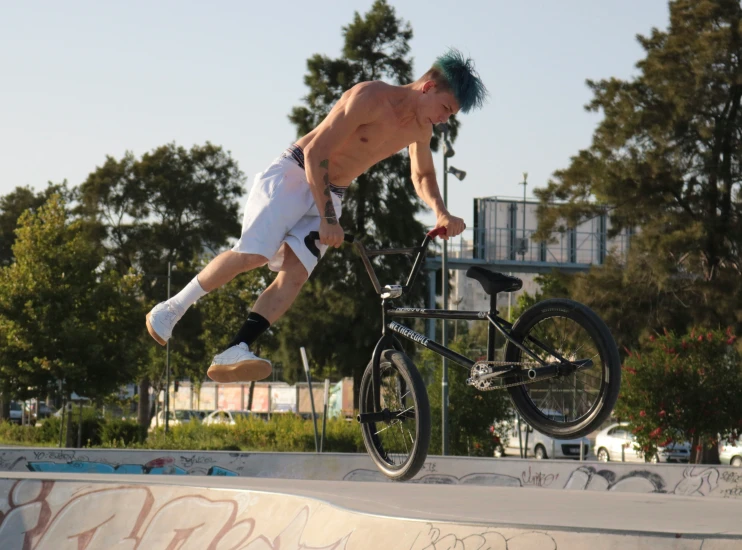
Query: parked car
column 610, row 442
column 226, row 417
column 16, row 412
column 540, row 446
column 181, row 416
column 44, row 411
column 731, row 453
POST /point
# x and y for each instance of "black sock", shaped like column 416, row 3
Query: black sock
column 255, row 325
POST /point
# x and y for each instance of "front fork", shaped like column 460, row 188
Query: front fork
column 387, row 341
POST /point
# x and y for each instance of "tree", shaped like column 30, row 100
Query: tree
column 16, row 203
column 333, row 317
column 683, row 388
column 665, row 159
column 63, row 318
column 172, row 205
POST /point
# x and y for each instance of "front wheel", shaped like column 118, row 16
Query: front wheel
column 399, row 445
column 573, row 405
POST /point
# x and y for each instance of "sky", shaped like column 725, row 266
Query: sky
column 80, row 81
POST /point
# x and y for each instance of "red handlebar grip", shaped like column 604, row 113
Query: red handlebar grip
column 433, row 233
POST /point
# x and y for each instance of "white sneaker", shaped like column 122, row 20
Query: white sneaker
column 161, row 320
column 238, row 364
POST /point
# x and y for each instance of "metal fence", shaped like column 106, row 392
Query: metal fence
column 510, row 244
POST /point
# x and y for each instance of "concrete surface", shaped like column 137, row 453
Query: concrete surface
column 92, row 511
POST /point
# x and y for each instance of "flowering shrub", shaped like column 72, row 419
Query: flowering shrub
column 683, row 388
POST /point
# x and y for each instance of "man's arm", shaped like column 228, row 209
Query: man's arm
column 426, row 186
column 356, row 107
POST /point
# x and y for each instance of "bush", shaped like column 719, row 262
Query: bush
column 15, row 434
column 284, row 432
column 683, row 388
column 91, row 426
column 121, row 433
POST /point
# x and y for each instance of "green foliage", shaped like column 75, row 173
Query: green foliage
column 664, row 161
column 470, row 412
column 170, row 205
column 683, row 388
column 282, row 433
column 13, row 205
column 92, row 422
column 115, row 432
column 15, row 434
column 61, row 316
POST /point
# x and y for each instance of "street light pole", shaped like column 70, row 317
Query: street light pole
column 167, row 362
column 525, row 184
column 444, row 286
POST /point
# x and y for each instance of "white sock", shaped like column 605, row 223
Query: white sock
column 189, row 295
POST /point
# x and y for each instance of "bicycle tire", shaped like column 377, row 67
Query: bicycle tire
column 393, row 361
column 610, row 359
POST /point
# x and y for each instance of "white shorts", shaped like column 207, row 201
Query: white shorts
column 281, row 210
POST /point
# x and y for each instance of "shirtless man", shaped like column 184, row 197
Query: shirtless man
column 302, row 190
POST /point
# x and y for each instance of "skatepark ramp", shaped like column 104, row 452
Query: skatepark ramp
column 58, row 511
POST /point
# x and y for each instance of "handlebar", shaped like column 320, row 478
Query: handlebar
column 438, row 231
column 313, row 236
column 421, row 251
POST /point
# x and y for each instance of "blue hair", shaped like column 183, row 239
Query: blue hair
column 466, row 86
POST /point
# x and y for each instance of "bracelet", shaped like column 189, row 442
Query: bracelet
column 329, row 217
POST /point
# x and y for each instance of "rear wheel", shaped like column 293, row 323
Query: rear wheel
column 736, row 461
column 574, row 405
column 399, row 445
column 603, row 455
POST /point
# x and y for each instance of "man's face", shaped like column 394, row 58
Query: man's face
column 437, row 106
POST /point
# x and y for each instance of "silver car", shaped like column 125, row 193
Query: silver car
column 616, row 443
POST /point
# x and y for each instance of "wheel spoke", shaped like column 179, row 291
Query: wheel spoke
column 568, row 397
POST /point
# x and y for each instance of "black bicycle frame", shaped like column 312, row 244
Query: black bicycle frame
column 388, row 340
column 390, row 329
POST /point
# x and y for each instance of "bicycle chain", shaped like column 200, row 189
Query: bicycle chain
column 492, row 387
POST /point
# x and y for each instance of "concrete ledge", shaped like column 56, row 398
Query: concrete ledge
column 671, row 479
column 67, row 511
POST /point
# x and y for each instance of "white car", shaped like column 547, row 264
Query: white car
column 226, row 417
column 542, row 446
column 616, row 443
column 174, row 418
column 730, row 454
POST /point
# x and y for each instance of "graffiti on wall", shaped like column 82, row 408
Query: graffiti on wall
column 72, row 462
column 700, row 481
column 48, row 515
column 697, row 481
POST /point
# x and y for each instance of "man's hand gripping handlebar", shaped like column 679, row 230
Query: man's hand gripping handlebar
column 419, row 252
column 310, row 242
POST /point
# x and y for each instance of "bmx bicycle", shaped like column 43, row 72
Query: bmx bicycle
column 560, row 365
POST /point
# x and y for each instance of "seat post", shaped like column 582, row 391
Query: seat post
column 491, row 331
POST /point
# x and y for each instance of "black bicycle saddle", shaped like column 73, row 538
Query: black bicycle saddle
column 492, row 282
